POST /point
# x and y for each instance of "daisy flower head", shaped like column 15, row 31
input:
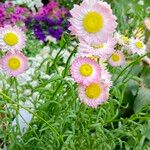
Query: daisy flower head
column 137, row 46
column 12, row 38
column 117, row 59
column 14, row 63
column 106, row 77
column 122, row 39
column 93, row 19
column 93, row 94
column 147, row 23
column 101, row 50
column 85, row 70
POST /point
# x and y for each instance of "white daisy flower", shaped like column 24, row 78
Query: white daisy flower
column 136, row 46
column 121, row 39
column 12, row 38
column 147, row 23
column 102, row 50
column 117, row 59
column 93, row 19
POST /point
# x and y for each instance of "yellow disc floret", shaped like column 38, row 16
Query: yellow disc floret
column 125, row 39
column 14, row 63
column 86, row 70
column 93, row 22
column 93, row 91
column 148, row 23
column 139, row 44
column 10, row 38
column 93, row 57
column 98, row 46
column 115, row 57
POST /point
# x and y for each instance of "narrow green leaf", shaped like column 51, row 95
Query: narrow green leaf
column 142, row 99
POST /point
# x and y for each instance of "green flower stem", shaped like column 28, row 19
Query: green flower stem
column 132, row 63
column 9, row 100
column 57, row 56
column 17, row 100
column 126, row 119
column 31, row 128
column 65, row 71
column 147, row 36
column 68, row 61
column 128, row 73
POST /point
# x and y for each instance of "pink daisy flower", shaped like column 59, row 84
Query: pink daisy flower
column 93, row 94
column 12, row 38
column 14, row 63
column 136, row 46
column 93, row 19
column 117, row 59
column 85, row 70
column 106, row 77
column 102, row 50
column 147, row 23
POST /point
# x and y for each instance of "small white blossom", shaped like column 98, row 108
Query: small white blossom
column 35, row 95
column 27, row 92
column 51, row 39
column 34, row 83
column 137, row 46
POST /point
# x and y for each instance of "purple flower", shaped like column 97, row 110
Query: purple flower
column 28, row 21
column 57, row 33
column 39, row 32
column 2, row 14
column 7, row 5
column 12, row 14
column 54, row 22
column 19, row 10
column 40, row 18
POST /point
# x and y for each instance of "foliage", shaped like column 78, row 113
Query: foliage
column 59, row 120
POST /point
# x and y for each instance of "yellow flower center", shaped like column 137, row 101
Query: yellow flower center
column 86, row 70
column 14, row 63
column 125, row 39
column 148, row 23
column 93, row 91
column 93, row 22
column 98, row 46
column 115, row 57
column 139, row 44
column 10, row 38
column 93, row 57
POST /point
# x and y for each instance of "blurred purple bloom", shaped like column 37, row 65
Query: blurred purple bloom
column 39, row 32
column 56, row 33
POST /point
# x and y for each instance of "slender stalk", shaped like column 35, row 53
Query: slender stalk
column 27, row 109
column 65, row 71
column 57, row 56
column 17, row 100
column 132, row 63
column 68, row 61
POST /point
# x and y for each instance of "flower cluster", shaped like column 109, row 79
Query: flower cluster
column 12, row 41
column 13, row 15
column 94, row 24
column 134, row 45
column 50, row 20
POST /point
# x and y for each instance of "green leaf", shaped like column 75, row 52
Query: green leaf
column 146, row 77
column 142, row 99
column 130, row 92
